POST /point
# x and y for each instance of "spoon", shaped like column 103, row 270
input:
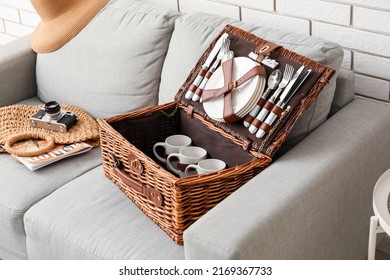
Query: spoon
column 273, row 81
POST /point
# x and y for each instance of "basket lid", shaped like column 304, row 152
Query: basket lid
column 265, row 56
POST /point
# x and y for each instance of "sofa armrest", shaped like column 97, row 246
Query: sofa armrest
column 17, row 71
column 312, row 203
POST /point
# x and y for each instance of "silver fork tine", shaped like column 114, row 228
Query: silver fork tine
column 225, row 49
column 291, row 73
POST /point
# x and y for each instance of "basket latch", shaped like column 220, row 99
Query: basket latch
column 135, row 164
column 151, row 194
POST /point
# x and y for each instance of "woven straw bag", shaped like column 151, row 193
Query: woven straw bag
column 15, row 126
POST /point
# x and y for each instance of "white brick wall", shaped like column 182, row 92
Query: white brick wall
column 17, row 18
column 361, row 27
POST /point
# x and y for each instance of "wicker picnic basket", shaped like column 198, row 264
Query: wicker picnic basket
column 175, row 203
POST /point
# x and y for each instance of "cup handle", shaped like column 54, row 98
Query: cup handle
column 159, row 144
column 174, row 155
column 189, row 167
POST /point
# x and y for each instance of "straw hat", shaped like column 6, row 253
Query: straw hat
column 61, row 20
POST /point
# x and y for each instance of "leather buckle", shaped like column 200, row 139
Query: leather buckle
column 263, row 49
column 232, row 85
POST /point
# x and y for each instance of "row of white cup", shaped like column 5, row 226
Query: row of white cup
column 178, row 147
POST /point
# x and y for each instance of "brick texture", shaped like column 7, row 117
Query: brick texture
column 276, row 21
column 361, row 27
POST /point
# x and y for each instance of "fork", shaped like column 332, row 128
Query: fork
column 224, row 52
column 287, row 75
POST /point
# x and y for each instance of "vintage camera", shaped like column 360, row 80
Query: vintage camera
column 52, row 117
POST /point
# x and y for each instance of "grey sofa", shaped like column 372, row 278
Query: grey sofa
column 312, row 202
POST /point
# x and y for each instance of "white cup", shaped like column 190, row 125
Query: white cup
column 172, row 144
column 206, row 166
column 186, row 156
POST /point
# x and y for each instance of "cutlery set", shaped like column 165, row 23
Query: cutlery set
column 206, row 65
column 261, row 108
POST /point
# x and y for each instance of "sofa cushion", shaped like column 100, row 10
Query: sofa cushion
column 90, row 218
column 114, row 64
column 21, row 188
column 345, row 90
column 200, row 29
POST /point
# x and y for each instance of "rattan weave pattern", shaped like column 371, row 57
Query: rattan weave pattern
column 186, row 199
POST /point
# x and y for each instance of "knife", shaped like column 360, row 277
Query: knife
column 206, row 66
column 285, row 98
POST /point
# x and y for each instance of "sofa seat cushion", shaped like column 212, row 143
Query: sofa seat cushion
column 194, row 32
column 114, row 64
column 90, row 218
column 21, row 188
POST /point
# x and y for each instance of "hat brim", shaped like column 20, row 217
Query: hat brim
column 53, row 34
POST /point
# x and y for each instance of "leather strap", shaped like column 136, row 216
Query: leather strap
column 151, row 194
column 257, row 123
column 265, row 127
column 249, row 118
column 190, row 111
column 228, row 113
column 229, row 86
column 277, row 110
column 261, row 102
column 268, row 105
column 265, row 49
column 192, row 88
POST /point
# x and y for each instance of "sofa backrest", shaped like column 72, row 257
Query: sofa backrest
column 114, row 64
column 194, row 32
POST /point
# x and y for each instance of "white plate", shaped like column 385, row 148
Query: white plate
column 243, row 98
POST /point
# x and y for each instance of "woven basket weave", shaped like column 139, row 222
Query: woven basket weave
column 175, row 203
column 183, row 200
column 15, row 125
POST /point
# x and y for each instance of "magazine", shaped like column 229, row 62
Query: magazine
column 60, row 151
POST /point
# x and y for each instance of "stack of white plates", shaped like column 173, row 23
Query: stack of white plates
column 244, row 97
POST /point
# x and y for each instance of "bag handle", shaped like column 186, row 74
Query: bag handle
column 25, row 136
column 151, row 194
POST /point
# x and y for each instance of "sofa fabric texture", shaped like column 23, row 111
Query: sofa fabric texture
column 119, row 231
column 313, row 185
column 20, row 189
column 113, row 65
column 314, row 202
column 17, row 67
column 200, row 29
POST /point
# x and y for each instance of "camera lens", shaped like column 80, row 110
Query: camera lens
column 53, row 109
